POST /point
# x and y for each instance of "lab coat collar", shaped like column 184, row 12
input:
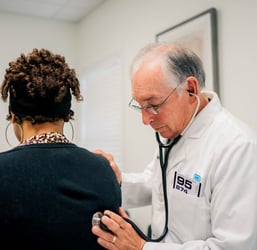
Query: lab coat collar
column 199, row 125
column 204, row 118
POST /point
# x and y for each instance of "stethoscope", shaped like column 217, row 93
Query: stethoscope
column 164, row 151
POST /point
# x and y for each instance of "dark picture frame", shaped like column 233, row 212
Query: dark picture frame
column 198, row 33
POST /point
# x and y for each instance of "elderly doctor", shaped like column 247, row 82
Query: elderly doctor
column 209, row 174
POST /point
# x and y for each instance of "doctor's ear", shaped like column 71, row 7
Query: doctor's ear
column 191, row 85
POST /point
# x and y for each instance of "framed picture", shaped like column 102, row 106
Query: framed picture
column 198, row 33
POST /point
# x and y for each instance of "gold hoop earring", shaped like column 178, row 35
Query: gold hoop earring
column 6, row 134
column 71, row 132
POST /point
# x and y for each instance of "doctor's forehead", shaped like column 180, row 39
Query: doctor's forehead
column 148, row 82
column 149, row 92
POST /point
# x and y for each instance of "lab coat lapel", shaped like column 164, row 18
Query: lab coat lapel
column 201, row 122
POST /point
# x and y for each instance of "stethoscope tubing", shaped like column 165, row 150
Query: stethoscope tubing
column 163, row 163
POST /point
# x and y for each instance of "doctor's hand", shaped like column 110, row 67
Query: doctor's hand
column 112, row 163
column 123, row 236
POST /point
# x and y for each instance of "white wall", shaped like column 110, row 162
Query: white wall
column 20, row 35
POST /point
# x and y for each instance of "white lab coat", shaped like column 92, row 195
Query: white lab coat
column 219, row 152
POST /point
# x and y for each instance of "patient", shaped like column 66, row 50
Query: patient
column 50, row 187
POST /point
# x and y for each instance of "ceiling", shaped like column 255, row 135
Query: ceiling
column 67, row 10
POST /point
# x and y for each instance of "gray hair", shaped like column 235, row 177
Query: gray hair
column 177, row 62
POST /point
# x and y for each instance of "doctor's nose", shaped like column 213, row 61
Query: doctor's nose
column 147, row 117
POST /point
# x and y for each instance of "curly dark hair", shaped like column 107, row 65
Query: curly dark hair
column 40, row 75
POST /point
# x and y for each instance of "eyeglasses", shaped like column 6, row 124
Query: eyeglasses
column 151, row 109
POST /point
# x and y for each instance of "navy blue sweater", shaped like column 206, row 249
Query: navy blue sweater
column 48, row 194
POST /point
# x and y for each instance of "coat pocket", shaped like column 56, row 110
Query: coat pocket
column 189, row 216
